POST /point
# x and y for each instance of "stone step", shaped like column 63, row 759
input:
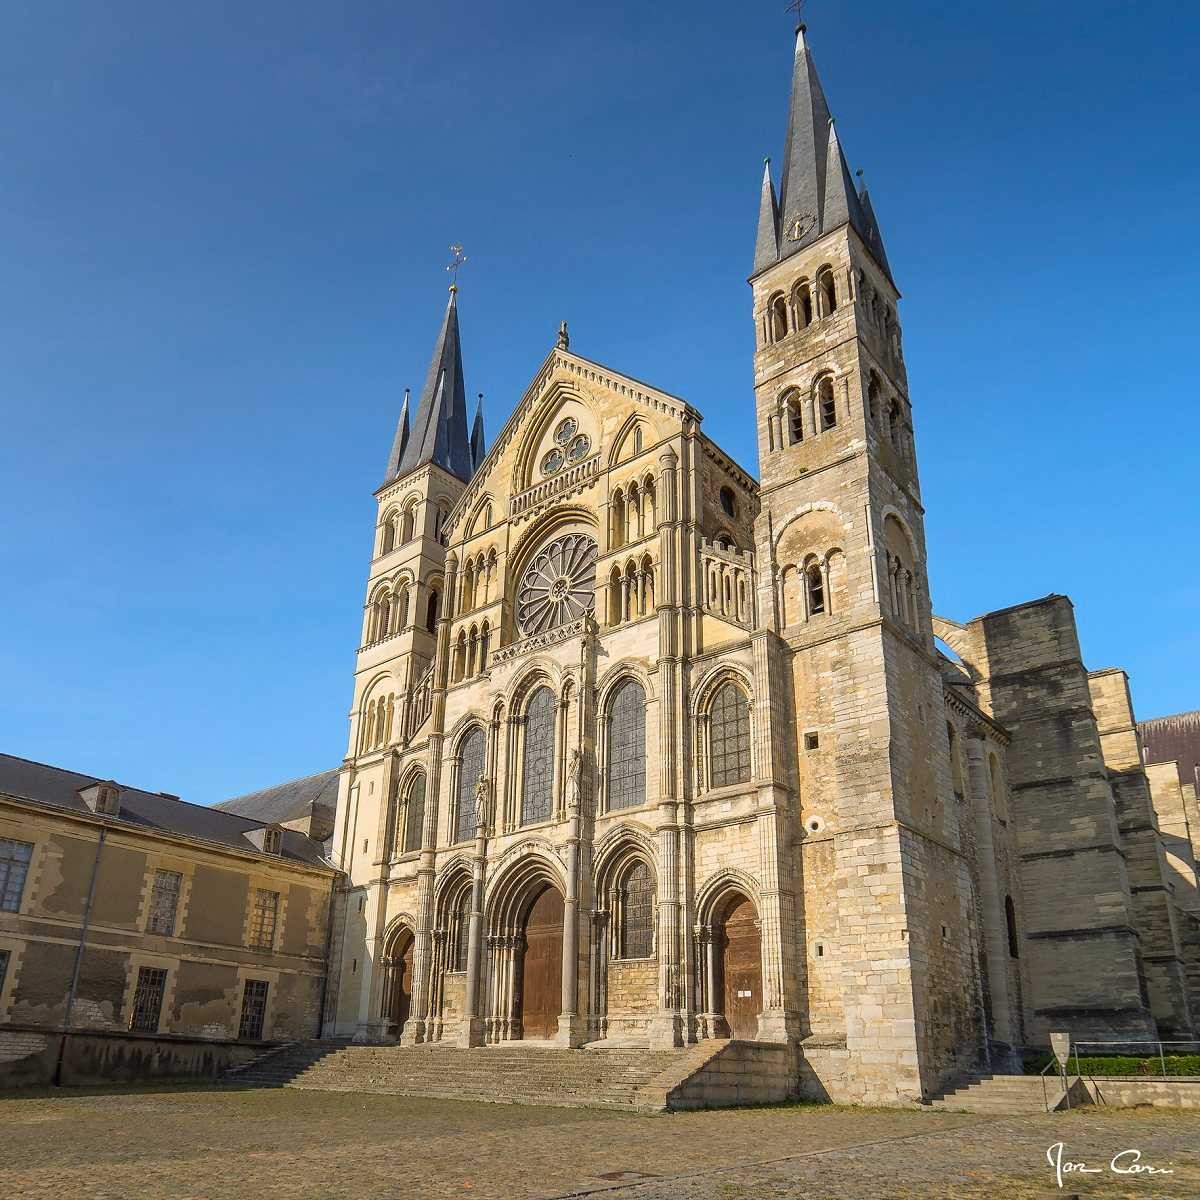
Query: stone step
column 1001, row 1095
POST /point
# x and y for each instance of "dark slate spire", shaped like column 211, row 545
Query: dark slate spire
column 398, row 442
column 439, row 430
column 874, row 237
column 816, row 193
column 478, row 448
column 766, row 246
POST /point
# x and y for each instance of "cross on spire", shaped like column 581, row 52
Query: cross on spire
column 457, row 258
column 797, row 6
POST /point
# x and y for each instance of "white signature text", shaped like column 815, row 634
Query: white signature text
column 1124, row 1162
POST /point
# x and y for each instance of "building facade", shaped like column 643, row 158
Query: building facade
column 138, row 924
column 646, row 750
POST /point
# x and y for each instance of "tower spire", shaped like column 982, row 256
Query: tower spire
column 816, row 193
column 399, row 442
column 478, row 447
column 439, row 429
column 766, row 246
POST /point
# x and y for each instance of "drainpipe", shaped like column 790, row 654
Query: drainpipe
column 83, row 932
column 328, row 965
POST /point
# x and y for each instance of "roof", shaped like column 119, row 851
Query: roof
column 816, row 193
column 151, row 811
column 439, row 428
column 286, row 801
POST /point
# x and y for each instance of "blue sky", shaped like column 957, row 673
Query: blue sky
column 224, row 231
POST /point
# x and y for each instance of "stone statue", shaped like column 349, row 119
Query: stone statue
column 574, row 780
column 483, row 807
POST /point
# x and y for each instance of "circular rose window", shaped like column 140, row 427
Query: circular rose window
column 579, row 447
column 566, row 430
column 559, row 585
column 552, row 461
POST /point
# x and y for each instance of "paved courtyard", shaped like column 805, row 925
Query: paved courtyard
column 198, row 1142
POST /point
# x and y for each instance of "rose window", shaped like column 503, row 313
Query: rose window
column 559, row 585
column 566, row 430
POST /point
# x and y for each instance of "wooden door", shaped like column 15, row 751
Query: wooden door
column 741, row 970
column 541, row 970
column 402, row 971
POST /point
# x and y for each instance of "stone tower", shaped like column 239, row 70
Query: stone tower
column 842, row 581
column 430, row 463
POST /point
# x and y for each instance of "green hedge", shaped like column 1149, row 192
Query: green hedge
column 1121, row 1064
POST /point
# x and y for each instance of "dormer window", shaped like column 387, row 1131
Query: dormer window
column 104, row 799
column 273, row 841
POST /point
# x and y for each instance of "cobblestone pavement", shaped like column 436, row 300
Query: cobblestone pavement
column 219, row 1144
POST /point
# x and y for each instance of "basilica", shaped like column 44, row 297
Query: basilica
column 646, row 749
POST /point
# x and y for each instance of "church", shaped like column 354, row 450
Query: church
column 646, row 750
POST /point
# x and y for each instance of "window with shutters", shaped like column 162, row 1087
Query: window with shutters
column 537, row 778
column 730, row 737
column 164, row 902
column 254, row 1010
column 470, row 767
column 414, row 814
column 636, row 913
column 148, row 999
column 627, row 746
column 14, row 866
column 262, row 919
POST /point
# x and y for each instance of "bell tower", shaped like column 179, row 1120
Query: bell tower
column 432, row 459
column 841, row 562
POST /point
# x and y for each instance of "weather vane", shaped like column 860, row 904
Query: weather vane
column 457, row 258
column 796, row 6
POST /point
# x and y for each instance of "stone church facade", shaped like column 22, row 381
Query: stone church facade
column 645, row 750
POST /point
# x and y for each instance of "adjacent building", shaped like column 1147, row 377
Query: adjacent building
column 133, row 913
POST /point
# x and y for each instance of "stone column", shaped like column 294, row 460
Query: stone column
column 474, row 1028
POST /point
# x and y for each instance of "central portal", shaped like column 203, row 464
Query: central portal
column 540, row 1001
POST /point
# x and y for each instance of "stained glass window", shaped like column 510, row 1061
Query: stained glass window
column 462, row 931
column 415, row 817
column 471, row 764
column 627, row 746
column 537, row 783
column 730, row 733
column 637, row 913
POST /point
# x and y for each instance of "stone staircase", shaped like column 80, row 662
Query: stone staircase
column 637, row 1080
column 1003, row 1095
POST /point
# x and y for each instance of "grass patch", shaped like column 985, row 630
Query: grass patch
column 1120, row 1064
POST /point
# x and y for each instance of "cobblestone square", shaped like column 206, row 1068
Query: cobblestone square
column 214, row 1143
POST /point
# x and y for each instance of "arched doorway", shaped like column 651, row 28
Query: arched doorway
column 540, row 998
column 740, row 985
column 398, row 995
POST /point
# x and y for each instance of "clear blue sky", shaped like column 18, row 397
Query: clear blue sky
column 224, row 230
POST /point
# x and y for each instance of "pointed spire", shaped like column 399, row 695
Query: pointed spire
column 398, row 442
column 816, row 193
column 439, row 429
column 478, row 449
column 873, row 236
column 766, row 245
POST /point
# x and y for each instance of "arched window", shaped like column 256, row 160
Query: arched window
column 627, row 746
column 999, row 800
column 414, row 818
column 617, row 532
column 439, row 523
column 537, row 777
column 637, row 439
column 635, row 913
column 730, row 737
column 828, row 291
column 470, row 767
column 873, row 397
column 458, row 664
column 614, row 596
column 401, row 608
column 894, row 424
column 389, row 536
column 815, row 584
column 826, row 408
column 793, row 415
column 777, row 318
column 408, row 525
column 485, row 637
column 431, row 610
column 1010, row 919
column 462, row 930
column 802, row 306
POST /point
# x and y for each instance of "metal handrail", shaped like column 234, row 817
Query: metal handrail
column 1115, row 1047
column 1042, row 1075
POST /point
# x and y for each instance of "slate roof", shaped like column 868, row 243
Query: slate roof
column 58, row 788
column 286, row 801
column 816, row 193
column 439, row 428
